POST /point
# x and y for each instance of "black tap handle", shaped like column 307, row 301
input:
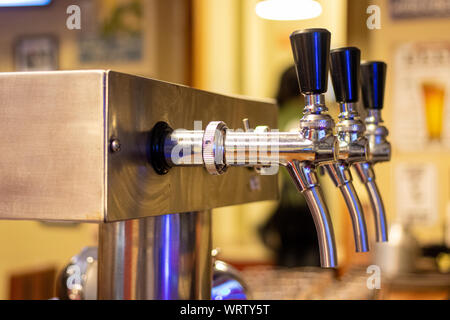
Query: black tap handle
column 373, row 81
column 311, row 48
column 344, row 67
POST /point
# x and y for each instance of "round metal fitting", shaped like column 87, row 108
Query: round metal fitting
column 317, row 122
column 115, row 145
column 213, row 147
column 356, row 126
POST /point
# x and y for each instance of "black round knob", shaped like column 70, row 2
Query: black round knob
column 373, row 80
column 311, row 48
column 344, row 68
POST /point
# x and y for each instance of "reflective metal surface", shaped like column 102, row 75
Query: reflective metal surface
column 379, row 212
column 324, row 227
column 228, row 283
column 353, row 148
column 249, row 148
column 380, row 148
column 162, row 257
column 305, row 179
column 357, row 215
column 380, row 151
column 77, row 143
column 367, row 177
column 52, row 167
column 78, row 280
column 341, row 176
column 134, row 189
column 300, row 152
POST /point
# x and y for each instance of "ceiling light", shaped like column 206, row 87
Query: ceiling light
column 23, row 3
column 288, row 9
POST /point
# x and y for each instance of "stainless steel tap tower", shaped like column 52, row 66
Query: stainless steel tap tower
column 133, row 154
column 78, row 150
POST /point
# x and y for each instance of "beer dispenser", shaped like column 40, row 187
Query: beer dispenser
column 116, row 149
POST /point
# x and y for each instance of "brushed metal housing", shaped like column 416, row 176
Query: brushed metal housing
column 57, row 164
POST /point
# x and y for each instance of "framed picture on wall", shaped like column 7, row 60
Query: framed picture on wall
column 36, row 53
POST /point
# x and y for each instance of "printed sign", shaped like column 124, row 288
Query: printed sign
column 421, row 105
column 406, row 9
column 112, row 32
column 416, row 194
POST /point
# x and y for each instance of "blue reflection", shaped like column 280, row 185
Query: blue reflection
column 362, row 227
column 328, row 229
column 228, row 290
column 23, row 3
column 348, row 66
column 382, row 217
column 166, row 259
column 317, row 61
column 375, row 85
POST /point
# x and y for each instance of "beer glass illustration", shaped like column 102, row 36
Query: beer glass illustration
column 433, row 93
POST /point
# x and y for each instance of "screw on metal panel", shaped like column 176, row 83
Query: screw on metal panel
column 115, row 145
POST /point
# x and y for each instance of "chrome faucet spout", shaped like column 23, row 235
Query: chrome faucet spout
column 367, row 176
column 340, row 174
column 353, row 146
column 373, row 79
column 380, row 215
column 357, row 215
column 305, row 179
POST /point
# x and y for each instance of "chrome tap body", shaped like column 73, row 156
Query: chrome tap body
column 353, row 146
column 373, row 75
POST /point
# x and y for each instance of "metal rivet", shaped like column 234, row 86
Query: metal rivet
column 115, row 145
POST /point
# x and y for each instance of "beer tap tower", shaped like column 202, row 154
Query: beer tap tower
column 300, row 152
column 100, row 146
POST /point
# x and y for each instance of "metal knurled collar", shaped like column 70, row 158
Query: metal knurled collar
column 213, row 147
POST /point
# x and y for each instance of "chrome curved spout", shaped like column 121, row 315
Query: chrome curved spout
column 373, row 79
column 305, row 179
column 353, row 147
column 367, row 176
column 341, row 176
column 380, row 151
column 357, row 215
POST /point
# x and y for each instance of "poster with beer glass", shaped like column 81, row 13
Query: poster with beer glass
column 422, row 97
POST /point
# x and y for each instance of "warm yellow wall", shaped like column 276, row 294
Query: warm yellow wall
column 26, row 245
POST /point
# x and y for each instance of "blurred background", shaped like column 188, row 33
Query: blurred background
column 225, row 47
